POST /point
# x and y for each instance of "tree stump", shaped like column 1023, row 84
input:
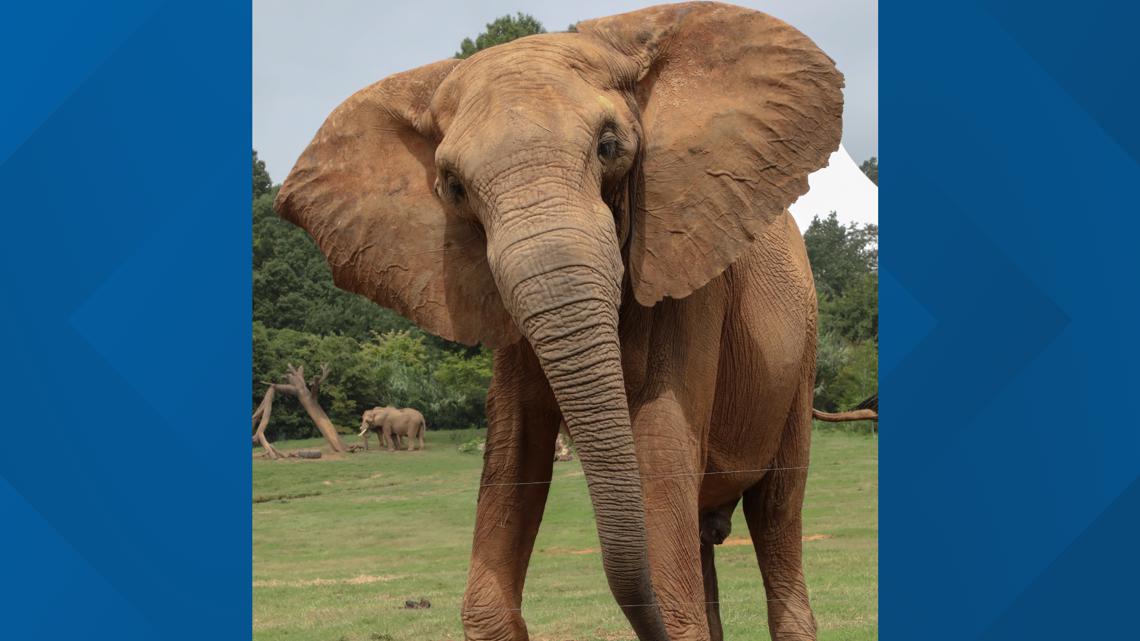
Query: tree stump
column 306, row 393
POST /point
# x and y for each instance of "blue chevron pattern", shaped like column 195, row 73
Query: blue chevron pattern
column 124, row 474
column 1010, row 451
column 1009, row 216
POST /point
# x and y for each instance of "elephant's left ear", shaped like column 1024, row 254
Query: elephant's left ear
column 737, row 109
column 364, row 190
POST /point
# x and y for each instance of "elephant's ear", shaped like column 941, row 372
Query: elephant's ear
column 737, row 109
column 364, row 190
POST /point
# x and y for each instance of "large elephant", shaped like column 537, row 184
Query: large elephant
column 393, row 423
column 607, row 209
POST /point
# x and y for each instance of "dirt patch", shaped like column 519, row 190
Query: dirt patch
column 736, row 542
column 363, row 579
column 739, row 540
column 284, row 498
column 558, row 550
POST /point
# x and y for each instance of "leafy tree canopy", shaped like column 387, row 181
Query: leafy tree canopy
column 261, row 182
column 839, row 254
column 845, row 264
column 502, row 30
column 871, row 168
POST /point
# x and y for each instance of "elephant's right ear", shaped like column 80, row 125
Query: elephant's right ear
column 737, row 108
column 364, row 190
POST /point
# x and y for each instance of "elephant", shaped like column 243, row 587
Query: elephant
column 393, row 423
column 607, row 210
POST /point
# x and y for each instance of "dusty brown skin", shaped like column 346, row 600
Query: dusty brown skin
column 392, row 423
column 607, row 209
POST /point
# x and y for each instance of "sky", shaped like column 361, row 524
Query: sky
column 309, row 55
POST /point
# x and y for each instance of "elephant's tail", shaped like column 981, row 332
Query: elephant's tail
column 841, row 417
column 868, row 410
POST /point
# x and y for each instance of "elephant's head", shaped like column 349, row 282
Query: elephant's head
column 371, row 418
column 365, row 422
column 508, row 195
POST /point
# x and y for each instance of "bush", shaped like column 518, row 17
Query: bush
column 472, row 446
column 400, row 368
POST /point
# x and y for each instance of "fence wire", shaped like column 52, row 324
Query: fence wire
column 731, row 615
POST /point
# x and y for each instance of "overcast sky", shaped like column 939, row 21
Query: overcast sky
column 309, row 55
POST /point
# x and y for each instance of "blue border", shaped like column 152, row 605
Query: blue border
column 1010, row 450
column 124, row 471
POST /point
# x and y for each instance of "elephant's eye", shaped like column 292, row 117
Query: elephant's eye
column 608, row 147
column 455, row 188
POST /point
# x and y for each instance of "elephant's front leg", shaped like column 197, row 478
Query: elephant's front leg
column 522, row 425
column 671, row 408
column 670, row 458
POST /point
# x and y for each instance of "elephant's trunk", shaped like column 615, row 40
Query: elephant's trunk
column 560, row 279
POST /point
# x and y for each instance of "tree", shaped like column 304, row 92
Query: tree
column 502, row 30
column 261, row 182
column 307, row 392
column 839, row 254
column 845, row 264
column 871, row 168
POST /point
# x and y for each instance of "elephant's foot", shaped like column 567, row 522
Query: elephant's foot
column 792, row 624
column 485, row 621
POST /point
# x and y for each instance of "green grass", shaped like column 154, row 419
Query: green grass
column 340, row 544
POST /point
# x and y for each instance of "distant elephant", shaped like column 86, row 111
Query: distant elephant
column 393, row 423
column 607, row 210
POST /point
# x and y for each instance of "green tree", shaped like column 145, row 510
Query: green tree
column 461, row 383
column 871, row 168
column 855, row 315
column 839, row 254
column 261, row 182
column 845, row 264
column 502, row 30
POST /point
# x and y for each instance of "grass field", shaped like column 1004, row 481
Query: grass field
column 340, row 543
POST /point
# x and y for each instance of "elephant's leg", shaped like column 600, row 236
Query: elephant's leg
column 522, row 423
column 773, row 508
column 365, row 436
column 411, row 436
column 715, row 528
column 671, row 401
column 712, row 592
column 388, row 437
column 670, row 459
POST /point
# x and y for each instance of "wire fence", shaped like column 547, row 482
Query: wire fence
column 750, row 611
